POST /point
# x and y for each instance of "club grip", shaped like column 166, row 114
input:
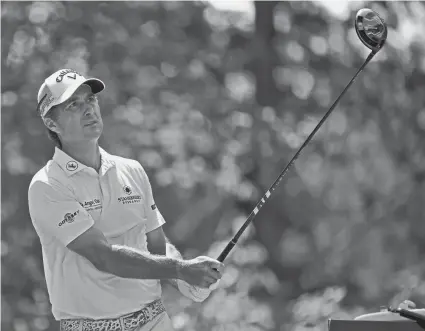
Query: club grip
column 226, row 251
column 420, row 319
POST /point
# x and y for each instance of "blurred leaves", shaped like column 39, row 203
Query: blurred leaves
column 214, row 104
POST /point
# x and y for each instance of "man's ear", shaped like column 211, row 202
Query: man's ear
column 50, row 124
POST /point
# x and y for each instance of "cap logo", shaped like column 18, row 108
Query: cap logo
column 72, row 166
column 67, row 71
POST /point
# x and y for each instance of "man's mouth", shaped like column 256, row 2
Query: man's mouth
column 91, row 123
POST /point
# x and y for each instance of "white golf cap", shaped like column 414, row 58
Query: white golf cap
column 59, row 87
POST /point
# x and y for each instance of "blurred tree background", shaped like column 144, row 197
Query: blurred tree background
column 214, row 103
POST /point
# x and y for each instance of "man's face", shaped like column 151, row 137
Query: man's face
column 79, row 117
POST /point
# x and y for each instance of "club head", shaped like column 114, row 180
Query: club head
column 371, row 29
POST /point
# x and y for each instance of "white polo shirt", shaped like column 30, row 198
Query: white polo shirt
column 65, row 199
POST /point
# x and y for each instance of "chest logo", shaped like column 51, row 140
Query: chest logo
column 72, row 166
column 127, row 190
column 129, row 198
column 93, row 204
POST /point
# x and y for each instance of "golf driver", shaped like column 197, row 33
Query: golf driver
column 372, row 31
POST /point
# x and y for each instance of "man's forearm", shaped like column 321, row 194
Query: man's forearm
column 127, row 262
column 159, row 244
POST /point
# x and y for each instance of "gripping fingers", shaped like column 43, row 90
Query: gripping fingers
column 214, row 286
column 214, row 273
column 210, row 284
column 218, row 266
column 208, row 281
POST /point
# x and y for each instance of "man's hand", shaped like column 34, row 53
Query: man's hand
column 201, row 272
column 407, row 304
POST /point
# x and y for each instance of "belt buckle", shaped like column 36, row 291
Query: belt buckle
column 149, row 312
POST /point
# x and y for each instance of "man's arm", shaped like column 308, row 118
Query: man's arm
column 124, row 261
column 127, row 262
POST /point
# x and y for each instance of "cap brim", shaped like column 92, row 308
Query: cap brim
column 95, row 84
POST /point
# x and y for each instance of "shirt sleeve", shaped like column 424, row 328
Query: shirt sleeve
column 154, row 218
column 55, row 212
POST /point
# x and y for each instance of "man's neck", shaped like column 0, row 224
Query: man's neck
column 87, row 153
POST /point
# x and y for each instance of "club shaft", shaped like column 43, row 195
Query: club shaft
column 269, row 192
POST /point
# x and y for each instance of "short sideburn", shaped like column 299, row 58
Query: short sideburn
column 53, row 136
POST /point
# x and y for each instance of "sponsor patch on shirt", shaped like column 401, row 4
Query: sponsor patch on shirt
column 130, row 199
column 68, row 218
column 90, row 205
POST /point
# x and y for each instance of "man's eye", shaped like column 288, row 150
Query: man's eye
column 72, row 106
column 92, row 98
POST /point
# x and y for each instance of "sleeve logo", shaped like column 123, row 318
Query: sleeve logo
column 153, row 206
column 69, row 218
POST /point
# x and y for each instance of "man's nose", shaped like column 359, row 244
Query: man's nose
column 89, row 110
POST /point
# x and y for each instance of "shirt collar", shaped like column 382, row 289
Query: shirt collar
column 72, row 166
column 106, row 160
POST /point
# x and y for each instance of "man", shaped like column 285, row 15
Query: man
column 104, row 250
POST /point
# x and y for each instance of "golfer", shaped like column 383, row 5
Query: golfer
column 104, row 250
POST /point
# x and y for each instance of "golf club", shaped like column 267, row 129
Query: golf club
column 372, row 31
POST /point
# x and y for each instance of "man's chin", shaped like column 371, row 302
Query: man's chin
column 93, row 132
column 93, row 136
column 90, row 137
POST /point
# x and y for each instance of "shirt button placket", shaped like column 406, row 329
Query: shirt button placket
column 103, row 189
